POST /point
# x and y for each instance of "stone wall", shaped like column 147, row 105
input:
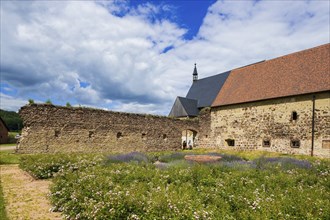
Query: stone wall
column 271, row 125
column 265, row 125
column 50, row 129
column 203, row 137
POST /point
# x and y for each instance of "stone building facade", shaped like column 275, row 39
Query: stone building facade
column 268, row 105
column 279, row 105
column 279, row 125
column 51, row 129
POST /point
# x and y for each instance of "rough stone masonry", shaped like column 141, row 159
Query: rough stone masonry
column 266, row 125
column 51, row 129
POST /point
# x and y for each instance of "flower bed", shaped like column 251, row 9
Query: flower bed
column 130, row 186
column 42, row 166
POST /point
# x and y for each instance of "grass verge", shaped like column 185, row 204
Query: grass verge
column 3, row 213
column 9, row 157
column 7, row 145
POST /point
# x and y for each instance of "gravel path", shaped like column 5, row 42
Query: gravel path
column 25, row 197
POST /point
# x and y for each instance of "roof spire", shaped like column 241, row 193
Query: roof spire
column 195, row 74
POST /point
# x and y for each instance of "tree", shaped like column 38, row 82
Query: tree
column 12, row 120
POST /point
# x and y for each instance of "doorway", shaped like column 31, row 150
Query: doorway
column 188, row 139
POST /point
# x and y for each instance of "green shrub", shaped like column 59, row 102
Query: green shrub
column 12, row 120
column 31, row 101
column 48, row 101
column 46, row 166
column 68, row 104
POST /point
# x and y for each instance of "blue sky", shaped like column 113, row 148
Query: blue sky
column 137, row 56
column 187, row 14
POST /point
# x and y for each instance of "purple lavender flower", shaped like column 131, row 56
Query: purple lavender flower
column 129, row 157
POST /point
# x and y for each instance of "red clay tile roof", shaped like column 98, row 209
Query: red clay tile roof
column 303, row 72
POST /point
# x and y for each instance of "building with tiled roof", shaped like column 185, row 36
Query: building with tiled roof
column 281, row 105
column 298, row 73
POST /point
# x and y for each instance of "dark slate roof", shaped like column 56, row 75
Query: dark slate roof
column 190, row 105
column 303, row 72
column 184, row 107
column 206, row 90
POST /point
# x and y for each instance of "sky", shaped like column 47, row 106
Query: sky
column 138, row 55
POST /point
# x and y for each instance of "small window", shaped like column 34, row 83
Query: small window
column 91, row 134
column 119, row 135
column 57, row 133
column 266, row 143
column 294, row 116
column 206, row 136
column 144, row 136
column 295, row 143
column 164, row 137
column 230, row 142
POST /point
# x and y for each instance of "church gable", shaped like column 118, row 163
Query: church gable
column 184, row 107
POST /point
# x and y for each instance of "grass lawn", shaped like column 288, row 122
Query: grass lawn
column 9, row 157
column 3, row 213
column 2, row 146
column 6, row 157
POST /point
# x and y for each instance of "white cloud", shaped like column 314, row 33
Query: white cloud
column 117, row 56
column 134, row 107
column 49, row 48
column 10, row 103
column 237, row 33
